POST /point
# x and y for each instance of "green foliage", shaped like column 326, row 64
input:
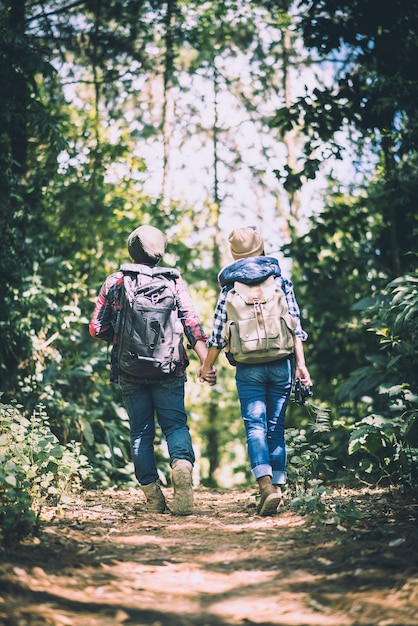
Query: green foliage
column 35, row 470
column 387, row 387
column 335, row 264
column 312, row 501
column 218, row 429
column 309, row 463
column 22, row 107
column 308, row 444
column 322, row 504
column 385, row 451
column 372, row 53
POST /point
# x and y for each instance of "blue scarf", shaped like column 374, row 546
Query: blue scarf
column 250, row 271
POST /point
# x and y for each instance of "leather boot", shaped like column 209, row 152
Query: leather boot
column 155, row 501
column 269, row 497
column 182, row 503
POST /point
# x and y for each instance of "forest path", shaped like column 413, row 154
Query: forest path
column 105, row 562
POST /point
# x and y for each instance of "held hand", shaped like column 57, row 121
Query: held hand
column 207, row 375
column 303, row 374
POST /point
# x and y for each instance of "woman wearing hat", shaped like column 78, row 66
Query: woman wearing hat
column 263, row 388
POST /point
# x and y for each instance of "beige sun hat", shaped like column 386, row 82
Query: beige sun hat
column 245, row 242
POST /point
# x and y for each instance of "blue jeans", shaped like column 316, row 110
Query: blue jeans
column 264, row 392
column 142, row 399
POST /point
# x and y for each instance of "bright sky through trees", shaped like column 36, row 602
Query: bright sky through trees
column 248, row 150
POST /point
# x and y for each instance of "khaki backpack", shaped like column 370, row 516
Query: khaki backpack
column 259, row 327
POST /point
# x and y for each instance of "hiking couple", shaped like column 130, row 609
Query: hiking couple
column 263, row 388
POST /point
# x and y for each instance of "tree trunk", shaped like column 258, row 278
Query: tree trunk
column 18, row 129
column 212, row 442
column 391, row 212
column 168, row 105
column 289, row 136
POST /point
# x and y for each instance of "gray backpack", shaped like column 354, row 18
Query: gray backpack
column 149, row 331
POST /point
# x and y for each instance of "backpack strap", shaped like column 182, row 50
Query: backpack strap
column 147, row 270
column 166, row 273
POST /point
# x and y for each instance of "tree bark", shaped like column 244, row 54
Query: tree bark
column 18, row 129
column 168, row 105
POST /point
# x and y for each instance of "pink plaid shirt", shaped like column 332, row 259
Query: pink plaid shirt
column 105, row 315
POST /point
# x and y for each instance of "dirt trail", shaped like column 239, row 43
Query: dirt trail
column 105, row 562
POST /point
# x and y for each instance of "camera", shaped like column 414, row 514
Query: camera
column 302, row 392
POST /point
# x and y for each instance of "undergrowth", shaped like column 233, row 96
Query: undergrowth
column 35, row 470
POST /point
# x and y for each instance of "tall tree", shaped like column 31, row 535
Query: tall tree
column 168, row 103
column 372, row 50
column 27, row 124
column 366, row 234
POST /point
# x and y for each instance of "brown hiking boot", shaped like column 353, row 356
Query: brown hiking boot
column 269, row 497
column 155, row 501
column 182, row 503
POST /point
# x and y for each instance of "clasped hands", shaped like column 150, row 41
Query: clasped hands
column 207, row 375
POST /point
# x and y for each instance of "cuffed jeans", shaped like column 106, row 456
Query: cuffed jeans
column 264, row 392
column 165, row 398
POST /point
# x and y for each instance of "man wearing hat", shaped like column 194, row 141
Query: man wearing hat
column 143, row 397
column 263, row 388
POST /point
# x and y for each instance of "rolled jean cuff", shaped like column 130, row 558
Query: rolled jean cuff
column 262, row 470
column 279, row 478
